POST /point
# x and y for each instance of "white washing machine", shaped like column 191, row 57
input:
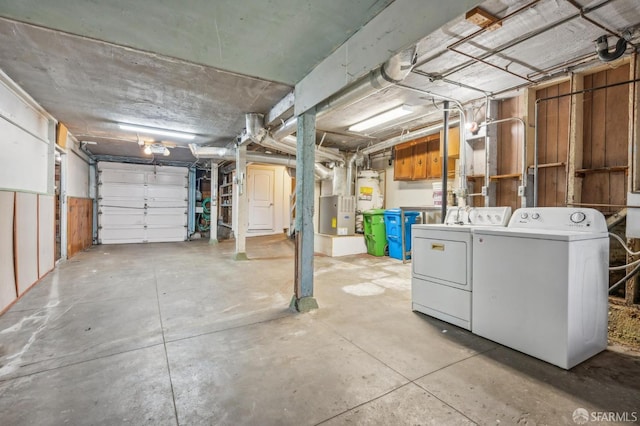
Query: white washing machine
column 441, row 280
column 540, row 284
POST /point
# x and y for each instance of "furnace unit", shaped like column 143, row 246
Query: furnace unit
column 337, row 215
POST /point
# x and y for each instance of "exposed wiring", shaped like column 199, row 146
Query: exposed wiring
column 621, row 241
column 621, row 267
column 625, row 279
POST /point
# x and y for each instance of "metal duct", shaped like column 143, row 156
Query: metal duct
column 321, row 172
column 259, row 135
column 351, row 162
column 339, row 177
column 394, row 70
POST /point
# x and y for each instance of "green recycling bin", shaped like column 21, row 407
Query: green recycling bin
column 375, row 234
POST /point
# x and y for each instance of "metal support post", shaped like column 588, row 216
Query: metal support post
column 303, row 300
column 213, row 220
column 240, row 216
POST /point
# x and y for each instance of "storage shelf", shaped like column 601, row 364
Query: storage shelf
column 582, row 172
column 549, row 165
column 224, row 185
column 507, row 176
column 474, row 177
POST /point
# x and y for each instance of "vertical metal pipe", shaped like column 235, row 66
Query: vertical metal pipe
column 445, row 159
column 535, row 156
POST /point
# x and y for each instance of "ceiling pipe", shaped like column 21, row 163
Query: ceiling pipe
column 259, row 135
column 393, row 71
column 602, row 48
column 228, row 154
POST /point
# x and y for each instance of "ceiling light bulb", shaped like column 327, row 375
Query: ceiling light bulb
column 154, row 131
column 379, row 119
column 147, row 150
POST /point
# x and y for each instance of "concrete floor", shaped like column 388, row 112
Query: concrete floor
column 182, row 334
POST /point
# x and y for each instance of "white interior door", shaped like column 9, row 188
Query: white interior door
column 261, row 197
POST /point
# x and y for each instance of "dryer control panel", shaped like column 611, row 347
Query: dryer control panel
column 478, row 216
column 559, row 218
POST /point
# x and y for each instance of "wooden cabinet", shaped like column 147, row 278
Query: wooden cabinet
column 403, row 166
column 454, row 142
column 418, row 159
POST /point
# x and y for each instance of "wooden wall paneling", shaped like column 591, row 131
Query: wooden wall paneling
column 617, row 118
column 26, row 240
column 46, row 234
column 606, row 137
column 617, row 133
column 79, row 225
column 551, row 148
column 587, row 125
column 576, row 140
column 509, row 148
column 598, row 124
column 8, row 293
column 564, row 129
column 634, row 129
column 542, row 144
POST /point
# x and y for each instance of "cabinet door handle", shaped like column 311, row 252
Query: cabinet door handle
column 439, row 247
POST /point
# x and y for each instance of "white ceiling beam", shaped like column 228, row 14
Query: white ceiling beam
column 400, row 25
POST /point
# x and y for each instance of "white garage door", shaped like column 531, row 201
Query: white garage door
column 142, row 203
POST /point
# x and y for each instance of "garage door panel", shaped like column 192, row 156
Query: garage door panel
column 117, row 204
column 142, row 203
column 117, row 220
column 167, row 179
column 122, row 235
column 169, row 192
column 166, row 219
column 122, row 191
column 122, row 176
column 161, row 234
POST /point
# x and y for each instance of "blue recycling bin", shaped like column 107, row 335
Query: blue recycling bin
column 393, row 226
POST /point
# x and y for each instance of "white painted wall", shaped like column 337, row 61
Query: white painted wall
column 282, row 191
column 24, row 141
column 78, row 175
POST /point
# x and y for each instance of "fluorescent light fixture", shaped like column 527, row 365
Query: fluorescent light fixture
column 160, row 132
column 382, row 118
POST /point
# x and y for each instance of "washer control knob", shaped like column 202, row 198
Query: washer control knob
column 578, row 217
column 524, row 215
column 535, row 216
